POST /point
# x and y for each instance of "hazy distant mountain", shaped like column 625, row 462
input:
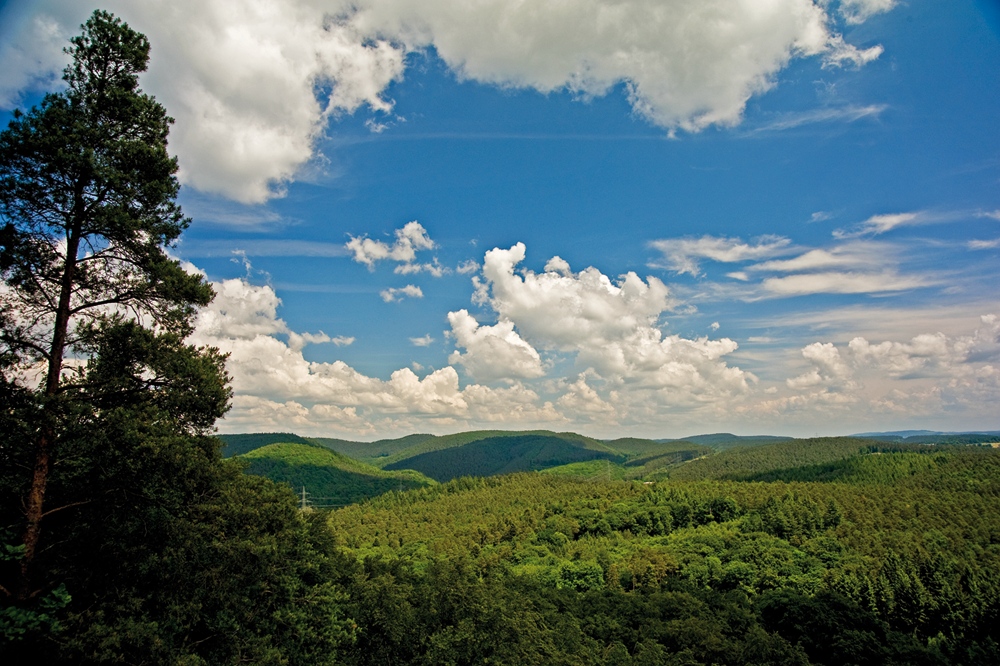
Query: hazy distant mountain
column 906, row 434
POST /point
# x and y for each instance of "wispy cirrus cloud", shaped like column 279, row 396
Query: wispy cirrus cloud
column 884, row 223
column 833, row 282
column 850, row 267
column 844, row 114
column 848, row 255
column 683, row 255
column 271, row 247
column 880, row 224
column 859, row 11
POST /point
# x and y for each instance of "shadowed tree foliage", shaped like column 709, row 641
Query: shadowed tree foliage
column 124, row 536
column 87, row 194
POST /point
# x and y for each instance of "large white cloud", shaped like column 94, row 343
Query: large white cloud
column 278, row 388
column 922, row 378
column 253, row 83
column 239, row 76
column 609, row 326
column 628, row 374
column 492, row 352
column 31, row 53
column 632, row 370
column 686, row 63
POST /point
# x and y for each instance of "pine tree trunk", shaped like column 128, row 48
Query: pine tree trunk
column 35, row 505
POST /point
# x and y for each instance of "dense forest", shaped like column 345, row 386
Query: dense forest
column 892, row 559
column 131, row 534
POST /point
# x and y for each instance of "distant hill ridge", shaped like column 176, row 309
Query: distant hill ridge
column 503, row 455
column 349, row 471
column 934, row 437
column 235, row 445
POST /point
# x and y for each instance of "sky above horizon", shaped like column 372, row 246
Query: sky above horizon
column 634, row 218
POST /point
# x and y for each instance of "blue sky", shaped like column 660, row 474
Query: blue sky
column 634, row 218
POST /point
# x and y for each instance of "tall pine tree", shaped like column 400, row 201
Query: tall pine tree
column 124, row 536
column 87, row 192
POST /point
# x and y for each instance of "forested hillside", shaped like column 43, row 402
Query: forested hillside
column 893, row 559
column 724, row 440
column 328, row 478
column 371, row 452
column 235, row 445
column 501, row 455
column 743, row 463
column 482, row 453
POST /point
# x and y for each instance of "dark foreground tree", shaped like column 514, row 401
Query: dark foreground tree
column 124, row 537
column 87, row 192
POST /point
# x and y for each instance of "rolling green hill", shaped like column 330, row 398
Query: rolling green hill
column 371, row 452
column 598, row 470
column 330, row 478
column 767, row 461
column 463, row 438
column 235, row 445
column 636, row 448
column 658, row 459
column 504, row 454
column 723, row 440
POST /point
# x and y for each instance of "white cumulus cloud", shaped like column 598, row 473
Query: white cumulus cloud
column 610, row 326
column 411, row 238
column 828, row 366
column 395, row 294
column 241, row 310
column 492, row 352
column 931, row 353
column 277, row 388
column 926, row 375
column 253, row 84
column 241, row 79
column 686, row 64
